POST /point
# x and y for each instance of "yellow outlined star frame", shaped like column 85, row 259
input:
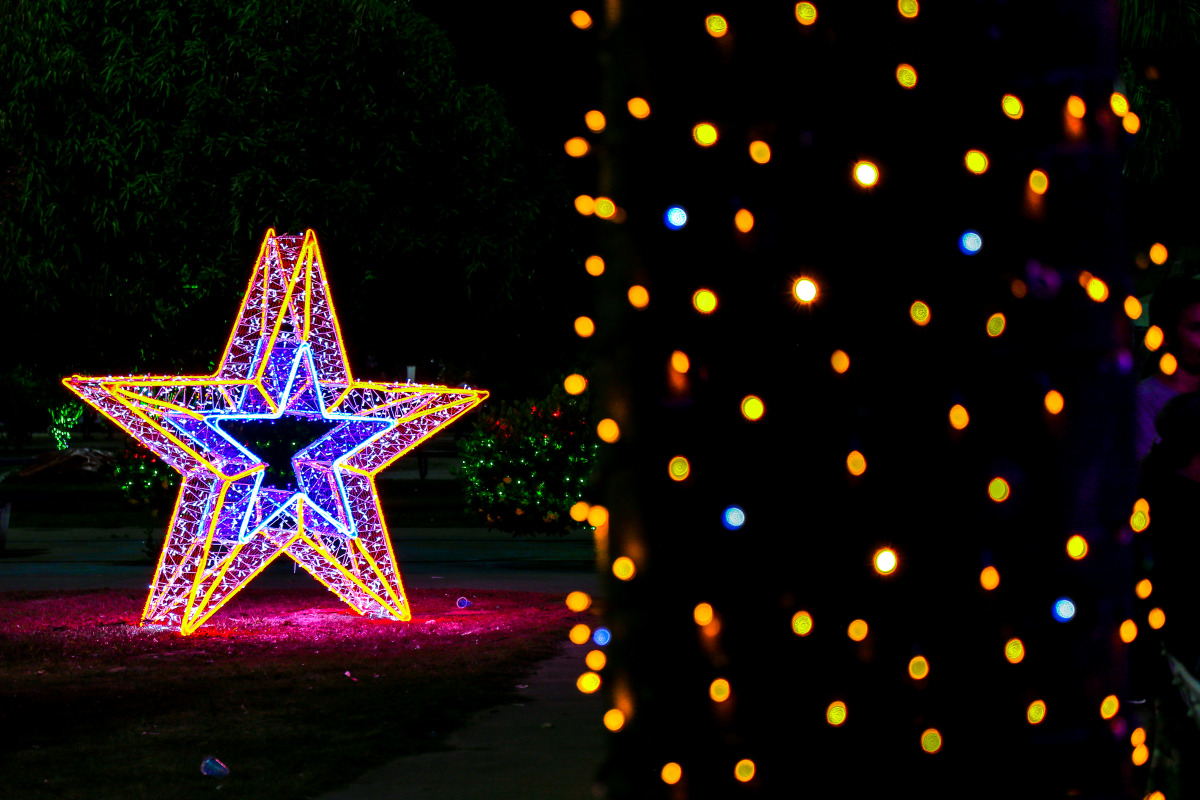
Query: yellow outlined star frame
column 285, row 356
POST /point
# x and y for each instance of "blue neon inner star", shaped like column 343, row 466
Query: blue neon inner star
column 276, row 441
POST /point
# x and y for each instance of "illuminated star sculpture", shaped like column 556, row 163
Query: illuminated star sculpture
column 284, row 372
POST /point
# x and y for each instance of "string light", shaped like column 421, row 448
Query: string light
column 594, row 120
column 998, row 489
column 588, row 682
column 1133, row 307
column 1012, row 106
column 806, row 13
column 594, row 266
column 595, row 660
column 753, row 408
column 1158, row 253
column 579, row 601
column 614, row 719
column 1036, row 712
column 584, row 326
column 679, row 468
column 743, row 220
column 719, row 690
column 579, row 511
column 675, row 217
column 704, row 301
column 835, row 713
column 970, row 243
column 959, row 418
column 624, row 568
column 1077, row 547
column 671, row 773
column 733, row 518
column 866, row 174
column 802, row 623
column 1144, row 588
column 703, row 614
column 705, row 134
column 918, row 668
column 577, row 147
column 597, row 516
column 1156, row 618
column 579, row 634
column 885, row 561
column 760, row 152
column 989, row 578
column 839, row 361
column 581, row 19
column 585, row 204
column 857, row 630
column 716, row 25
column 605, row 208
column 856, row 463
column 638, row 296
column 1109, row 706
column 1054, row 401
column 608, row 430
column 1038, row 182
column 1076, row 108
column 744, row 770
column 996, row 324
column 1168, row 364
column 919, row 313
column 575, row 384
column 1128, row 631
column 1097, row 290
column 1014, row 651
column 680, row 362
column 1064, row 609
column 906, row 76
column 638, row 107
column 976, row 161
column 908, row 8
column 1118, row 104
column 931, row 740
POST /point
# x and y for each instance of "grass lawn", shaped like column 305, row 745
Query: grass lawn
column 294, row 692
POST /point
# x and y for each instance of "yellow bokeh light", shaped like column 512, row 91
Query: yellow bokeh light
column 1144, row 588
column 1076, row 108
column 996, row 324
column 989, row 578
column 1133, row 307
column 1036, row 712
column 1109, row 706
column 976, row 161
column 760, row 152
column 806, row 13
column 959, row 418
column 885, row 561
column 594, row 120
column 614, row 719
column 1153, row 338
column 1077, row 547
column 1014, row 651
column 585, row 204
column 866, row 173
column 1156, row 796
column 716, row 25
column 1128, row 631
column 576, row 147
column 680, row 362
column 1053, row 401
column 1168, row 364
column 802, row 623
column 835, row 714
column 998, row 489
column 719, row 690
column 624, row 568
column 671, row 773
column 1139, row 521
column 608, row 430
column 584, row 326
column 579, row 601
column 1158, row 253
column 579, row 511
column 638, row 296
column 805, row 290
column 581, row 19
column 703, row 614
column 595, row 660
column 858, row 630
column 679, row 468
column 743, row 220
column 908, row 8
column 580, row 634
column 588, row 682
column 1012, row 105
column 919, row 313
column 605, row 208
column 1131, row 122
column 1119, row 104
column 744, row 770
column 856, row 463
column 1039, row 182
column 594, row 266
column 1156, row 618
column 705, row 134
column 1097, row 290
column 931, row 740
column 1137, row 737
column 1140, row 753
column 1141, row 504
column 575, row 384
column 839, row 361
column 597, row 516
column 638, row 107
column 906, row 76
column 918, row 668
column 704, row 301
column 752, row 407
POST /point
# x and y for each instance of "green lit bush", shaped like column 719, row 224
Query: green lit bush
column 526, row 463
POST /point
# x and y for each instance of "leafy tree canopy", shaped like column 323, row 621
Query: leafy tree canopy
column 148, row 145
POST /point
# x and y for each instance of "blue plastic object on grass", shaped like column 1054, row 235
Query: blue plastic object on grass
column 213, row 768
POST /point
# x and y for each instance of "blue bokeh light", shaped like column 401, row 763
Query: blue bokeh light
column 675, row 218
column 970, row 242
column 1064, row 609
column 733, row 518
column 602, row 636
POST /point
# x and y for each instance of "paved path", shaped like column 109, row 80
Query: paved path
column 548, row 745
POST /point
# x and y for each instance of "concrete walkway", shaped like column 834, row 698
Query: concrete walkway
column 547, row 745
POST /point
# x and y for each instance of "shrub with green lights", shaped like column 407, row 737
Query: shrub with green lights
column 147, row 482
column 64, row 417
column 526, row 463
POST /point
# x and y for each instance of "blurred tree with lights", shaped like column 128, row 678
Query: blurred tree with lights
column 525, row 463
column 147, row 147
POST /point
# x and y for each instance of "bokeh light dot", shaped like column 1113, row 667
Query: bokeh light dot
column 1064, row 609
column 594, row 120
column 806, row 13
column 577, row 147
column 704, row 301
column 835, row 713
column 680, row 362
column 1076, row 108
column 575, row 384
column 614, row 719
column 1014, row 651
column 866, row 174
column 1168, row 364
column 594, row 266
column 1077, row 547
column 671, row 773
column 802, row 623
column 908, row 8
column 716, row 25
column 608, row 430
column 578, row 601
column 579, row 633
column 976, row 161
column 624, row 568
column 885, row 561
column 1133, row 307
column 805, row 290
column 931, row 740
column 1119, row 104
column 675, row 217
column 959, row 418
column 1054, row 401
column 996, row 324
column 581, row 19
column 733, row 518
column 703, row 614
column 597, row 516
column 919, row 313
column 705, row 134
column 1012, row 106
column 1153, row 338
column 585, row 204
column 857, row 630
column 1109, row 706
column 760, row 152
column 1144, row 588
column 906, row 76
column 718, row 690
column 679, row 468
column 1036, row 712
column 638, row 296
column 1156, row 618
column 595, row 660
column 970, row 243
column 638, row 107
column 1039, row 182
column 1158, row 253
column 840, row 361
column 744, row 770
column 856, row 463
column 918, row 668
column 588, row 682
column 998, row 489
column 601, row 637
column 743, row 220
column 579, row 511
column 1128, row 631
column 584, row 326
column 989, row 578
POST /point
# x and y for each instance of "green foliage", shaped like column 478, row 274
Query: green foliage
column 147, row 482
column 526, row 463
column 146, row 148
column 64, row 417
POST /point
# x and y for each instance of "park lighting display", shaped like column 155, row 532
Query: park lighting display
column 284, row 368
